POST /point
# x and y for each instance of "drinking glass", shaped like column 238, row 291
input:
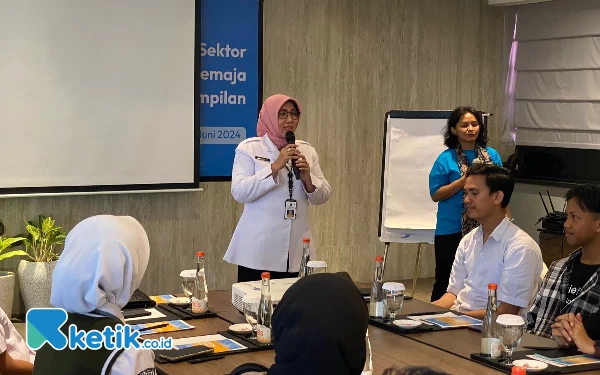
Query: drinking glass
column 316, row 266
column 187, row 284
column 251, row 312
column 394, row 298
column 510, row 330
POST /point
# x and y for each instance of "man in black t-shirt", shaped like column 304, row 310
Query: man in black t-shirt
column 581, row 274
column 567, row 306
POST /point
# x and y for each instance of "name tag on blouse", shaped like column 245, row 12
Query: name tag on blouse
column 262, row 158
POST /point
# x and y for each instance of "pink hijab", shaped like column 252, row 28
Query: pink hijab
column 268, row 121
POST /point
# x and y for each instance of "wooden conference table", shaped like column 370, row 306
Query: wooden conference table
column 445, row 350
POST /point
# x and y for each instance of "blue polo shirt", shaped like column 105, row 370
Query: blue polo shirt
column 445, row 171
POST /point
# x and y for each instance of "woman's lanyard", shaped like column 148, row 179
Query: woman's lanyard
column 290, row 204
column 290, row 182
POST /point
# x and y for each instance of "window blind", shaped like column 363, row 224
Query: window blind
column 557, row 92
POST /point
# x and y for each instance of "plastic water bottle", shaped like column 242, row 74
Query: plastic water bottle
column 376, row 306
column 265, row 310
column 200, row 296
column 490, row 343
column 305, row 256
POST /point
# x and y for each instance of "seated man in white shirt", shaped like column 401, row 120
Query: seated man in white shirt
column 497, row 251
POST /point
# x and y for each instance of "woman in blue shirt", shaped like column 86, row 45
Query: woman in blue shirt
column 466, row 139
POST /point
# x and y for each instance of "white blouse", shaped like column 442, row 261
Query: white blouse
column 263, row 239
column 12, row 342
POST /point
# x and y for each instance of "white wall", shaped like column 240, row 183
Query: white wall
column 526, row 206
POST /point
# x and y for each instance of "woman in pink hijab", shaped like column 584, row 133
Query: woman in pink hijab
column 270, row 233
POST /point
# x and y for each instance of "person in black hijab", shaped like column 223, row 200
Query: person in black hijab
column 319, row 327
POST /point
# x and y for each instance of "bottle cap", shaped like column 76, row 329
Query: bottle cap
column 493, row 286
column 516, row 370
column 510, row 320
column 306, row 240
column 393, row 287
column 266, row 275
column 200, row 253
column 379, row 258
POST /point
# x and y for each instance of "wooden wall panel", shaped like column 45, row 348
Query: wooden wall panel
column 347, row 62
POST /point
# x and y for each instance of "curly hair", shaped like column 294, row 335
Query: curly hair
column 451, row 140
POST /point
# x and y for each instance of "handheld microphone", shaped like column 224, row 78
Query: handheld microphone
column 290, row 137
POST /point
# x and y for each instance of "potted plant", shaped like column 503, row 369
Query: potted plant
column 7, row 279
column 35, row 273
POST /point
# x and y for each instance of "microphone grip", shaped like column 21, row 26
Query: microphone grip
column 295, row 169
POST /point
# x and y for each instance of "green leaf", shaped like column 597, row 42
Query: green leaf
column 43, row 237
column 34, row 231
column 6, row 242
column 12, row 254
column 47, row 224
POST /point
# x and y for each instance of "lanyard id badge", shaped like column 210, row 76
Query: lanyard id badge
column 290, row 204
column 290, row 209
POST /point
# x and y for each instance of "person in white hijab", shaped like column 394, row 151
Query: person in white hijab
column 102, row 264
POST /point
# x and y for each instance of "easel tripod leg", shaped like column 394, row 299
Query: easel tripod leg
column 385, row 253
column 416, row 274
